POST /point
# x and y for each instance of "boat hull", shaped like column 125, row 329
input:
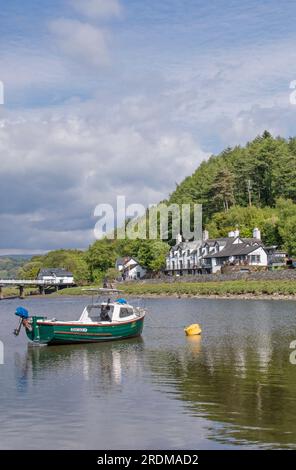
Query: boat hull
column 51, row 333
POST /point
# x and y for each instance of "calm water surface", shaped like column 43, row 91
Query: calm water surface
column 232, row 388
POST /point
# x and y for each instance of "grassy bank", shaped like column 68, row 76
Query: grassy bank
column 243, row 288
column 225, row 288
column 75, row 291
column 10, row 292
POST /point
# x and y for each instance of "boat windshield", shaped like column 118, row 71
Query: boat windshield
column 102, row 312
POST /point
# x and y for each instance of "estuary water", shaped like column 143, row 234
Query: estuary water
column 233, row 387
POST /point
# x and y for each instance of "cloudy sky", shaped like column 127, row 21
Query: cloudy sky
column 127, row 97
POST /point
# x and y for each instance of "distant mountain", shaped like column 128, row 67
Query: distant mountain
column 10, row 265
column 26, row 257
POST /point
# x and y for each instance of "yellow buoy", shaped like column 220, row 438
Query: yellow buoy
column 192, row 330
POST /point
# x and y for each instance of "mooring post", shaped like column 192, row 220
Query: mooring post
column 22, row 292
column 41, row 290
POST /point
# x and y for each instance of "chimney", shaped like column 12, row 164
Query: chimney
column 205, row 235
column 257, row 233
column 231, row 234
column 179, row 238
column 236, row 232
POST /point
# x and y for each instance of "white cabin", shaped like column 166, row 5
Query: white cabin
column 107, row 312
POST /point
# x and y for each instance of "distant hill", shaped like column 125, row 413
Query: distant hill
column 10, row 265
column 247, row 186
column 256, row 174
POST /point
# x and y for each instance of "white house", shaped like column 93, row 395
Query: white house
column 184, row 257
column 209, row 255
column 130, row 268
column 236, row 250
column 56, row 276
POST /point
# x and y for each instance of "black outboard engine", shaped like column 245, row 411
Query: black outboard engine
column 24, row 315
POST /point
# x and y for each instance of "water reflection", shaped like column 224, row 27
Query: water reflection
column 248, row 386
column 102, row 362
column 234, row 385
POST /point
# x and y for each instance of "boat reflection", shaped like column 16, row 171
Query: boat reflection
column 243, row 386
column 104, row 363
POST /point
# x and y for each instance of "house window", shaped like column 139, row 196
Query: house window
column 188, row 264
column 255, row 259
column 181, row 264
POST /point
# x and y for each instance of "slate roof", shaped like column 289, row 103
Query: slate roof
column 125, row 260
column 58, row 272
column 252, row 240
column 194, row 245
column 121, row 261
column 237, row 249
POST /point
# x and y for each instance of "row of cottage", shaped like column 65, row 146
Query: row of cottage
column 210, row 255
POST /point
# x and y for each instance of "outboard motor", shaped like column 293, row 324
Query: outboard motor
column 24, row 315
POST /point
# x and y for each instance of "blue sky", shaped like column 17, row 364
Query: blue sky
column 107, row 97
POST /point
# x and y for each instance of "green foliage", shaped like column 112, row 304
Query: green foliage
column 10, row 266
column 222, row 192
column 100, row 257
column 257, row 174
column 112, row 274
column 260, row 179
column 152, row 254
column 72, row 260
column 30, row 270
column 240, row 287
column 287, row 225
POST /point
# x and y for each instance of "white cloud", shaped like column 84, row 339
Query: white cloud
column 59, row 165
column 81, row 41
column 97, row 8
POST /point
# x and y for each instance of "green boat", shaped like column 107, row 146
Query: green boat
column 100, row 321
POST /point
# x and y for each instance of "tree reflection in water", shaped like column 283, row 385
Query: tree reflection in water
column 248, row 385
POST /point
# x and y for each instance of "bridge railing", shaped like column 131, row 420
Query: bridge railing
column 37, row 282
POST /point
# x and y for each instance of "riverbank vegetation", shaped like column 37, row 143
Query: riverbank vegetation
column 241, row 287
column 268, row 288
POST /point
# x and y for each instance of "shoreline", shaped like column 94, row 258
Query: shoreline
column 238, row 289
column 177, row 296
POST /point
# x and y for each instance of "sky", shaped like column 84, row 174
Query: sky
column 127, row 97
